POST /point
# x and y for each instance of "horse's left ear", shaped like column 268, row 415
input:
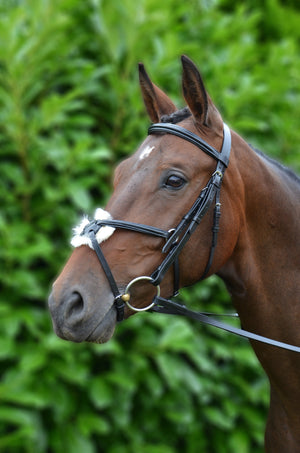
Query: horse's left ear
column 156, row 101
column 204, row 111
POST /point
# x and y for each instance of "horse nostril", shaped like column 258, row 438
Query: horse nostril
column 75, row 305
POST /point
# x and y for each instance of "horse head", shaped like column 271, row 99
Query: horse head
column 156, row 187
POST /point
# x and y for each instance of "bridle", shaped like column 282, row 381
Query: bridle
column 176, row 238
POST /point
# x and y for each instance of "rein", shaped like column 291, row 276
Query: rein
column 172, row 308
column 176, row 239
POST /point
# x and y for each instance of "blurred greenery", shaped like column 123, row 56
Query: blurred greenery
column 70, row 109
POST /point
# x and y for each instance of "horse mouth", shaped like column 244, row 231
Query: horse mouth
column 88, row 325
column 103, row 331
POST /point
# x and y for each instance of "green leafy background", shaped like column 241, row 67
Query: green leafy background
column 70, row 109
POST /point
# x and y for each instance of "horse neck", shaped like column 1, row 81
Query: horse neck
column 263, row 277
column 263, row 271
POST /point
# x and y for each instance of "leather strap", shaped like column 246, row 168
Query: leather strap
column 169, row 307
column 114, row 288
column 95, row 225
column 189, row 136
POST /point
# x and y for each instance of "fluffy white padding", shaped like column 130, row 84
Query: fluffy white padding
column 103, row 234
column 106, row 231
column 78, row 240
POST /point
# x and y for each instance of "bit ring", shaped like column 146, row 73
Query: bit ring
column 126, row 295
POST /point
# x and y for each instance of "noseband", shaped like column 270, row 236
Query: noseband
column 177, row 237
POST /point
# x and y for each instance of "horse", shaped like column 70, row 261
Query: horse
column 157, row 234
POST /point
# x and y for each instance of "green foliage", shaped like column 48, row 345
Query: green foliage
column 70, row 108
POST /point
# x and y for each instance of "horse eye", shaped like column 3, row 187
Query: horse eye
column 175, row 182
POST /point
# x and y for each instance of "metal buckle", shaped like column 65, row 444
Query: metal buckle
column 218, row 173
column 91, row 227
column 126, row 295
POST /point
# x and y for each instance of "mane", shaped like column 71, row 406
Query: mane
column 286, row 170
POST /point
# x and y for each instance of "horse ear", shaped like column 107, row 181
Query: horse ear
column 156, row 101
column 197, row 98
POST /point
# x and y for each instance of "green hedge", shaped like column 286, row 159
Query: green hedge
column 70, row 109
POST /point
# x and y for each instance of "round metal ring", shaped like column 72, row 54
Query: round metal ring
column 127, row 292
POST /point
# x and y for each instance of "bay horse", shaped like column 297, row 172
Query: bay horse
column 163, row 239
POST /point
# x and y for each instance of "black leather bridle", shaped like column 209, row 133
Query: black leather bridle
column 176, row 239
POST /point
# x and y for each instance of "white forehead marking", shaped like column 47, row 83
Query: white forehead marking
column 103, row 234
column 146, row 152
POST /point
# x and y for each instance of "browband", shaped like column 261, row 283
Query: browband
column 189, row 136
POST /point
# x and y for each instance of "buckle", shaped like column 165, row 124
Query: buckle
column 91, row 227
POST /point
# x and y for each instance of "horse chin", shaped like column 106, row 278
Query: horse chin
column 105, row 329
column 94, row 329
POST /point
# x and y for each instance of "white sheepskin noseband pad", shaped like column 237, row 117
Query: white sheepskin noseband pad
column 103, row 234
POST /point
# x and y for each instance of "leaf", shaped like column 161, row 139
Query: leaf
column 93, row 424
column 74, row 441
column 178, row 335
column 101, row 393
column 217, row 418
column 80, row 197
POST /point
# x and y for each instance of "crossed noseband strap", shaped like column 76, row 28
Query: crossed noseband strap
column 177, row 237
column 91, row 230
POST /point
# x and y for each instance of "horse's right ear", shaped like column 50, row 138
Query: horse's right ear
column 156, row 101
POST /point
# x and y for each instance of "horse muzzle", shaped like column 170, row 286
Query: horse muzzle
column 77, row 318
